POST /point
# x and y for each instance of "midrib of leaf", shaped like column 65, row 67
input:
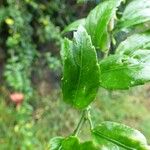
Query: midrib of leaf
column 126, row 67
column 77, row 89
column 129, row 52
column 112, row 140
column 99, row 22
column 60, row 148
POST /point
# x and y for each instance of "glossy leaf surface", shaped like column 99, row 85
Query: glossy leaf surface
column 137, row 12
column 98, row 20
column 80, row 70
column 124, row 71
column 72, row 143
column 120, row 135
column 105, row 144
column 134, row 42
column 88, row 146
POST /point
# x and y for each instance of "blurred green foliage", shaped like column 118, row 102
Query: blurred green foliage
column 26, row 25
column 32, row 127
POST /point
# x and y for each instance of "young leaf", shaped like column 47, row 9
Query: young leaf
column 98, row 20
column 134, row 42
column 81, row 71
column 137, row 12
column 124, row 71
column 74, row 26
column 121, row 135
column 55, row 143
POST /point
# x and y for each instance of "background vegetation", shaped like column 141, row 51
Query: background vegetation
column 30, row 64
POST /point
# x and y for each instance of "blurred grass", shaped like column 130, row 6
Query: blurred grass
column 32, row 126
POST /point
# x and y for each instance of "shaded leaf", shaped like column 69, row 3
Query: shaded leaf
column 124, row 71
column 80, row 70
column 121, row 135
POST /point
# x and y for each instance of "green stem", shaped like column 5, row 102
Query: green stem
column 106, row 54
column 80, row 124
column 85, row 116
column 89, row 118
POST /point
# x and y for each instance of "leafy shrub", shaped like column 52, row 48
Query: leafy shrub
column 26, row 25
column 121, row 65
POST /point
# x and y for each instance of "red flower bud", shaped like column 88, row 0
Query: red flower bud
column 17, row 98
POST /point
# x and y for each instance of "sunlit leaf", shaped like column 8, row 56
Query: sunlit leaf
column 124, row 71
column 104, row 144
column 134, row 42
column 72, row 143
column 88, row 146
column 120, row 135
column 137, row 12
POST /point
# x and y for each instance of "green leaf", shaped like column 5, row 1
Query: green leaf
column 74, row 26
column 81, row 71
column 124, row 71
column 136, row 12
column 134, row 42
column 139, row 28
column 121, row 135
column 98, row 20
column 55, row 143
column 97, row 23
column 105, row 42
column 72, row 143
column 88, row 146
column 104, row 144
